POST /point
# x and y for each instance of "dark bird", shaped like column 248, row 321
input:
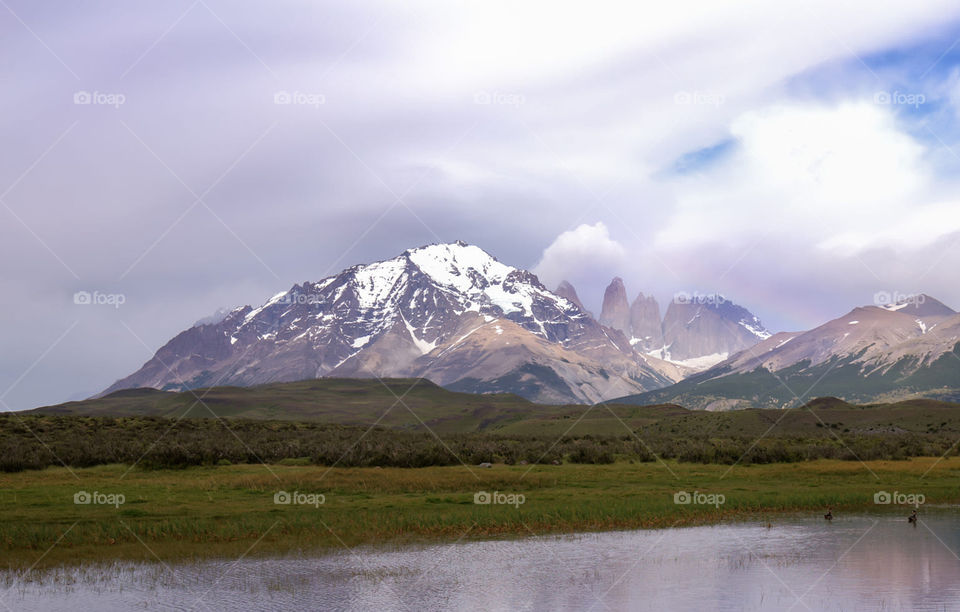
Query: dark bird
column 912, row 518
column 829, row 514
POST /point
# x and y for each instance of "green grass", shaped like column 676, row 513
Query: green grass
column 226, row 511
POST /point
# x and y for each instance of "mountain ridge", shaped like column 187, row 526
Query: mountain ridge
column 450, row 310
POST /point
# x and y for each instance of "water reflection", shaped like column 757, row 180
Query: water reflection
column 854, row 563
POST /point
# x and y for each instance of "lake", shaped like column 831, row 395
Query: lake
column 861, row 562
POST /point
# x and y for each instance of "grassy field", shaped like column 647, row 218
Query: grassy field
column 230, row 510
column 575, row 468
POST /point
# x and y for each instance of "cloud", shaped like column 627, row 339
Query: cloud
column 843, row 178
column 464, row 116
column 583, row 252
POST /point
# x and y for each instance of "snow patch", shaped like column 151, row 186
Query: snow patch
column 361, row 342
column 424, row 346
column 756, row 329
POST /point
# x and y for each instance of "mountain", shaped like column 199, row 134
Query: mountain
column 567, row 292
column 646, row 327
column 873, row 353
column 615, row 312
column 450, row 313
column 703, row 330
column 697, row 331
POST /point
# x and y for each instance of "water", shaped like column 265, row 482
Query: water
column 866, row 562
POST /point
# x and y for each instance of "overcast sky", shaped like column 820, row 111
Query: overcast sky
column 182, row 156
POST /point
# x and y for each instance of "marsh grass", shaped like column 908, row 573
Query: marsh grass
column 224, row 511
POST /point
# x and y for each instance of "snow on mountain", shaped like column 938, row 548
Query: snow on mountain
column 403, row 317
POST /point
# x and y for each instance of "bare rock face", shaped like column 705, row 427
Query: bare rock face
column 647, row 334
column 567, row 292
column 616, row 310
column 708, row 327
column 447, row 312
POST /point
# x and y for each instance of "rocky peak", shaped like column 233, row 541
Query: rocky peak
column 701, row 326
column 567, row 292
column 616, row 310
column 645, row 323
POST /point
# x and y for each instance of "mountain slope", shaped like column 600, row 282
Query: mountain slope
column 870, row 354
column 447, row 312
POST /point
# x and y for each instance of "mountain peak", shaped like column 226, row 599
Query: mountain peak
column 615, row 312
column 709, row 325
column 458, row 264
column 645, row 323
column 919, row 304
column 567, row 292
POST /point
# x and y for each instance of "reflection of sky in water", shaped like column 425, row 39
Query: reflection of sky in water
column 854, row 563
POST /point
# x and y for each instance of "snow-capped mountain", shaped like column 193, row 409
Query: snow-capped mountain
column 448, row 312
column 873, row 353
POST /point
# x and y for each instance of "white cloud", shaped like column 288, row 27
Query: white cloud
column 844, row 178
column 580, row 253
